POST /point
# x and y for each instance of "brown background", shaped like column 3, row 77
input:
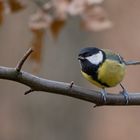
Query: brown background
column 42, row 116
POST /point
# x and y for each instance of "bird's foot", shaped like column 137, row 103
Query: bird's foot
column 125, row 94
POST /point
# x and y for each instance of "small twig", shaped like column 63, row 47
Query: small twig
column 22, row 60
column 71, row 84
column 132, row 62
column 28, row 91
column 98, row 105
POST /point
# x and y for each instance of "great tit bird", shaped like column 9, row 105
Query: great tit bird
column 102, row 68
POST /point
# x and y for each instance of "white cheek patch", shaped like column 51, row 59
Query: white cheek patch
column 95, row 58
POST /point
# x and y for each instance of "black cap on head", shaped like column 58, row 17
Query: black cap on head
column 85, row 52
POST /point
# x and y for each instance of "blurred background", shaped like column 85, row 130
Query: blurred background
column 41, row 116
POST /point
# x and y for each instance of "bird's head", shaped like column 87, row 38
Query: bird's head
column 91, row 56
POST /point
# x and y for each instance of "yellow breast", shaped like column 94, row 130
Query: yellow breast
column 111, row 72
column 90, row 79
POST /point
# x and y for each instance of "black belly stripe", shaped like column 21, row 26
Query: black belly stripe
column 102, row 83
column 92, row 70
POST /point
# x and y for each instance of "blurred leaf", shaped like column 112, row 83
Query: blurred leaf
column 56, row 27
column 95, row 19
column 1, row 11
column 15, row 5
column 40, row 20
column 94, row 1
column 60, row 8
column 37, row 45
column 76, row 7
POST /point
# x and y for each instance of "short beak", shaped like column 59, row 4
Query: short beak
column 80, row 58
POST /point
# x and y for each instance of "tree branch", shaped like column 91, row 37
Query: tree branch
column 40, row 84
column 68, row 89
